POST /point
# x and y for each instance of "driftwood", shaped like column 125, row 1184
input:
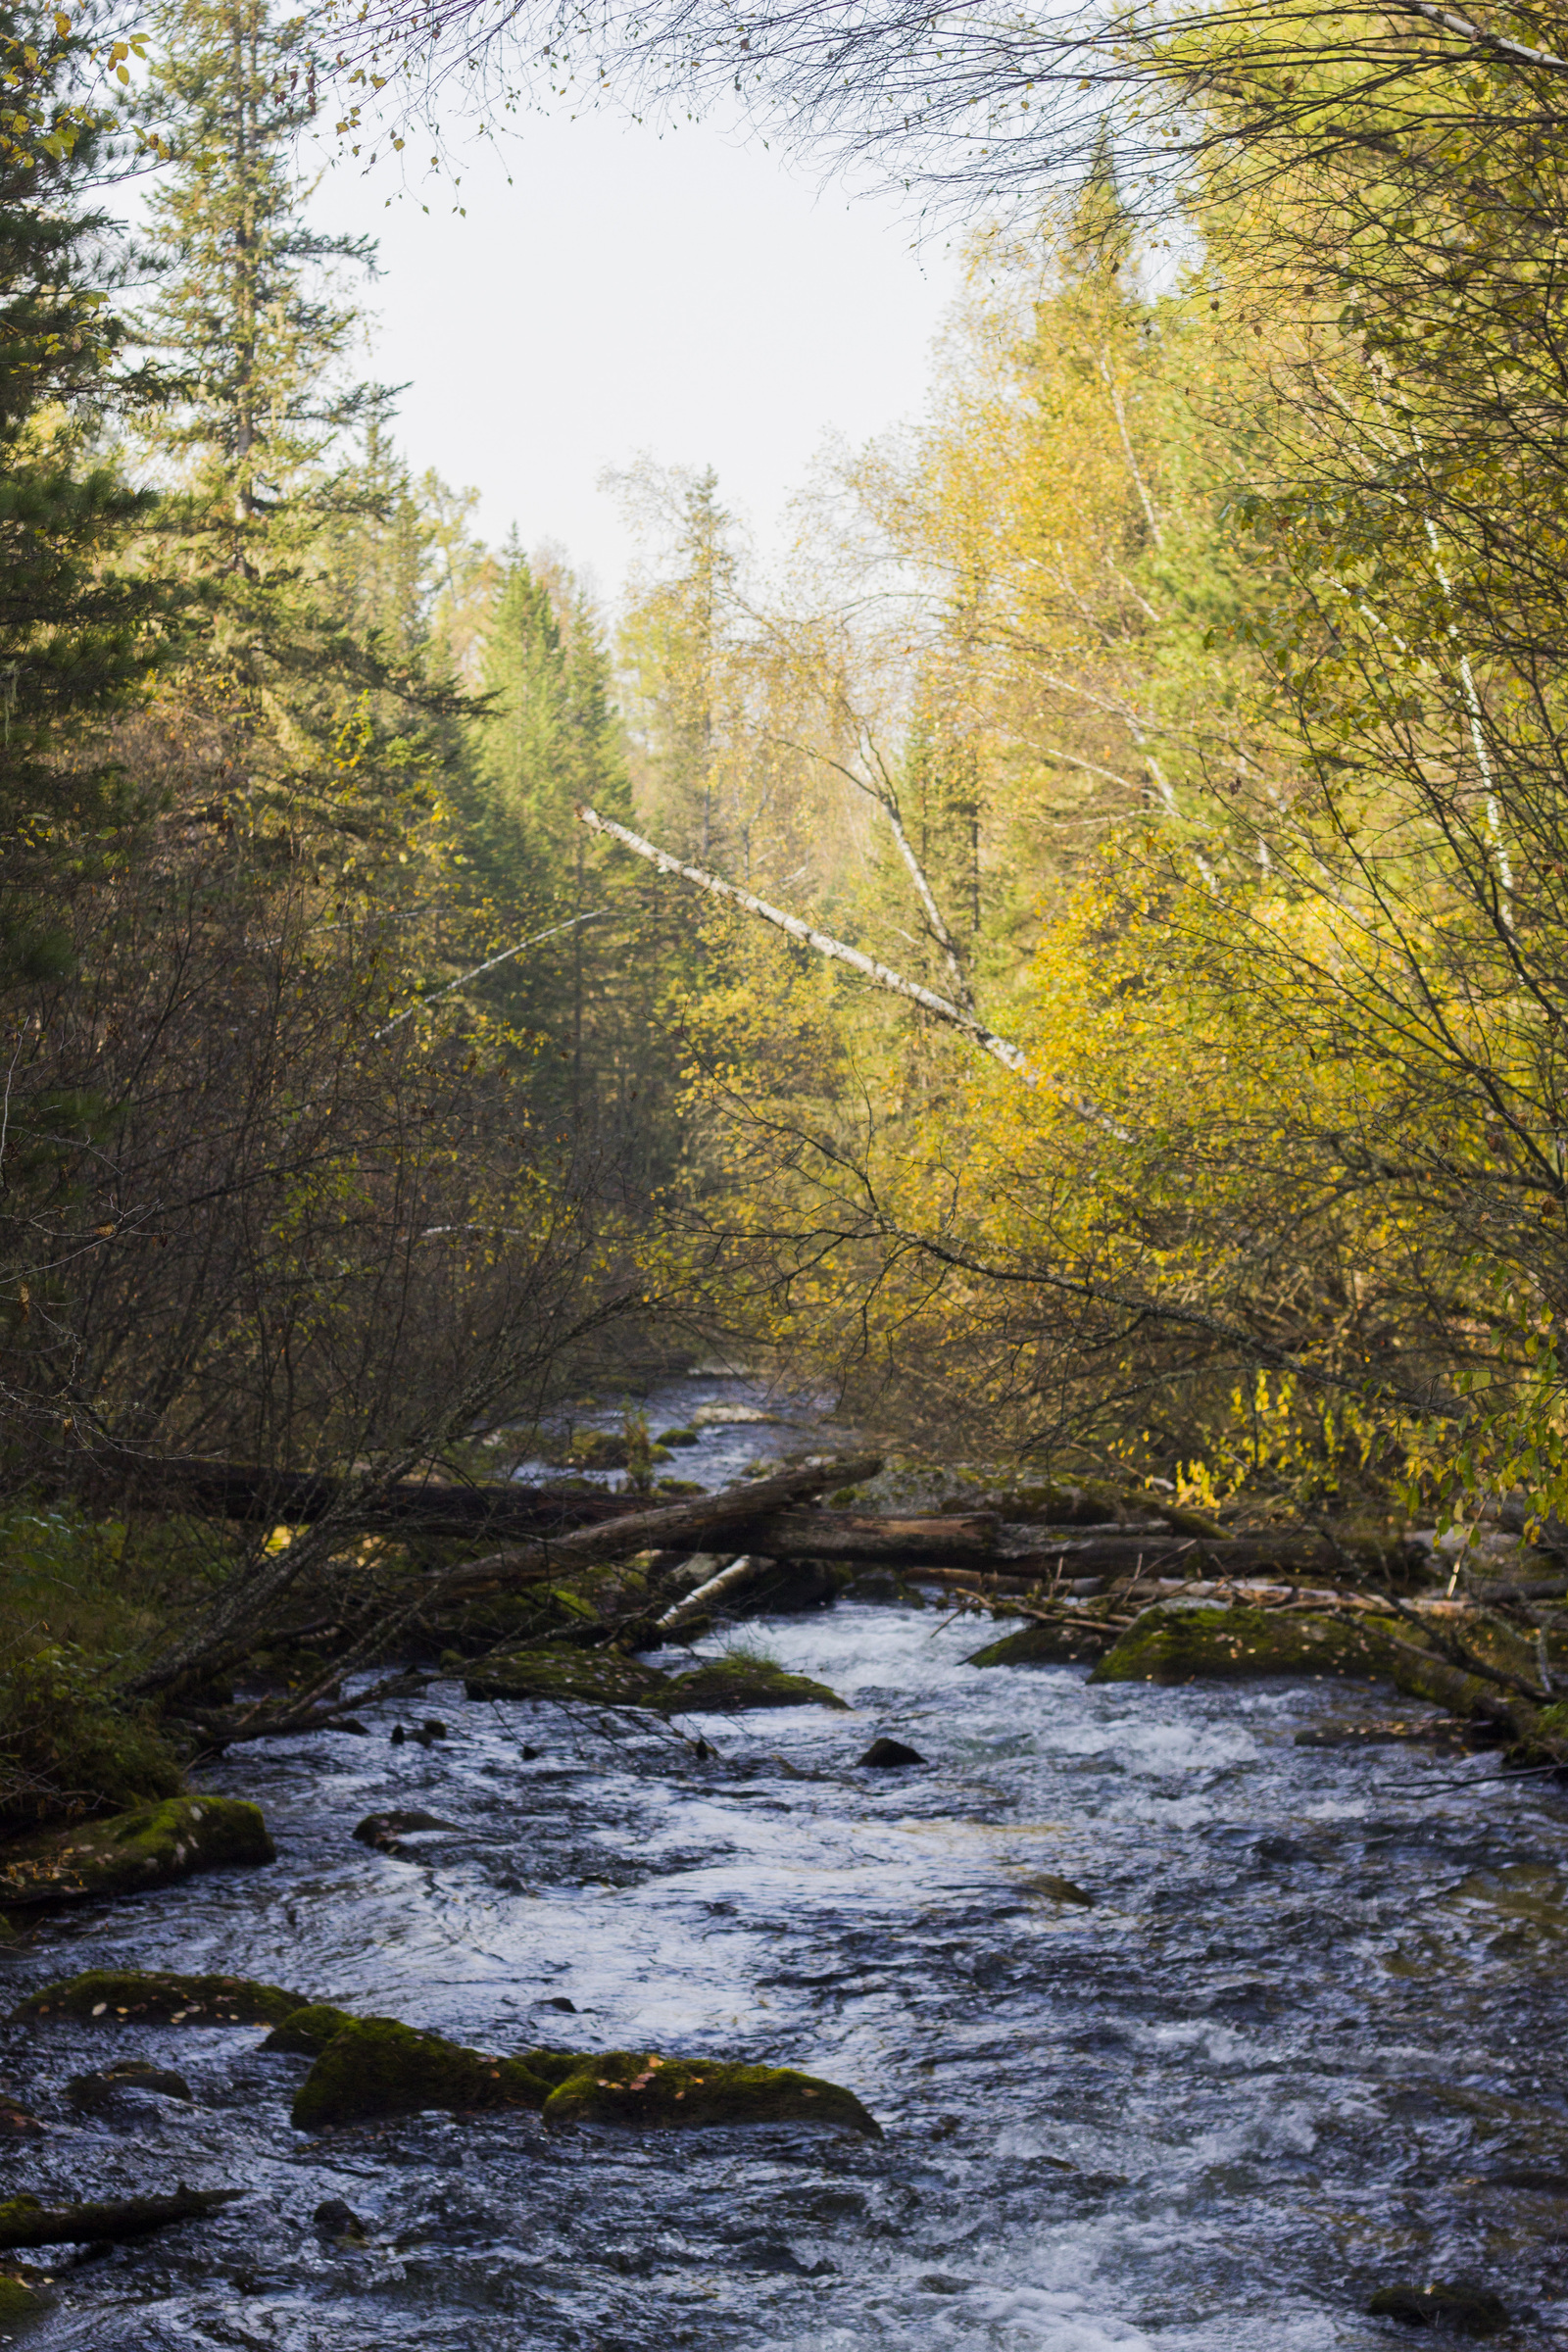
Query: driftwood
column 691, row 1523
column 23, row 2222
column 301, row 1497
column 896, row 1543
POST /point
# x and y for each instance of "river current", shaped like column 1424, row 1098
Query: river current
column 1306, row 2040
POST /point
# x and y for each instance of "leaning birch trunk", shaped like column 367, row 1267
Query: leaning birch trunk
column 692, row 1605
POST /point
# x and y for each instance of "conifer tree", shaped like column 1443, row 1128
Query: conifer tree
column 75, row 634
column 549, row 739
column 324, row 709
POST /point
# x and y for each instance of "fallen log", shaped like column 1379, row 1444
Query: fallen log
column 301, row 1497
column 23, row 2222
column 856, row 1536
column 691, row 1523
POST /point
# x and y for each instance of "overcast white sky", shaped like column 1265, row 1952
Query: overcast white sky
column 684, row 295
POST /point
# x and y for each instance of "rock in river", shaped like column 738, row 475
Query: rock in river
column 642, row 2089
column 1067, row 1643
column 1187, row 1645
column 883, row 1755
column 375, row 2066
column 100, row 2092
column 371, row 2067
column 130, row 1851
column 736, row 1684
column 155, row 1997
column 1456, row 2309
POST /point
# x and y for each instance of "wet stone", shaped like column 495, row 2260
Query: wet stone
column 155, row 1996
column 737, row 1684
column 1456, row 2309
column 385, row 1829
column 130, row 1852
column 885, row 1755
column 101, row 2091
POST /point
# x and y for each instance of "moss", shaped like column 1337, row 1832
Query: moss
column 1041, row 1645
column 306, row 2032
column 130, row 1851
column 20, row 2299
column 554, row 2065
column 375, row 2067
column 599, row 1676
column 155, row 1997
column 1186, row 1645
column 640, row 2088
column 731, row 1685
column 679, row 1437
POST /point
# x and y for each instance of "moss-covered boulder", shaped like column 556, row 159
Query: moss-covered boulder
column 732, row 1685
column 1041, row 1645
column 642, row 2090
column 600, row 1677
column 1205, row 1644
column 130, row 1851
column 373, row 2067
column 305, row 2032
column 154, row 1997
column 21, row 2298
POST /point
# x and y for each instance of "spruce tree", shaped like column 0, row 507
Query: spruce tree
column 332, row 728
column 76, row 633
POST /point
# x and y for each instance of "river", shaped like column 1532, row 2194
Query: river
column 1306, row 2040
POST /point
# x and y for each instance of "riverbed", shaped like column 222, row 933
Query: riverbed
column 1304, row 2039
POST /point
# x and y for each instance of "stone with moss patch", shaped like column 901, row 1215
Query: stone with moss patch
column 641, row 2089
column 373, row 2067
column 130, row 1851
column 21, row 2299
column 598, row 1676
column 155, row 1997
column 306, row 2032
column 1205, row 1644
column 1041, row 1645
column 732, row 1685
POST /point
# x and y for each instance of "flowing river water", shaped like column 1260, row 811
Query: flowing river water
column 1306, row 2041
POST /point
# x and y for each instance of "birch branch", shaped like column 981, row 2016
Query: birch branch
column 1150, row 516
column 886, row 800
column 1001, row 1048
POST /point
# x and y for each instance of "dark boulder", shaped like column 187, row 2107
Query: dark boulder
column 885, row 1755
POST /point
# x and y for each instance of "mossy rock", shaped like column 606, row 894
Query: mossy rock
column 154, row 1997
column 373, row 2067
column 1187, row 1645
column 731, row 1686
column 1041, row 1645
column 21, row 2299
column 305, row 2032
column 601, row 1676
column 130, row 1851
column 555, row 2067
column 650, row 2093
column 679, row 1437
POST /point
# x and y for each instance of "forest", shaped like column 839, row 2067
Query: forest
column 1066, row 966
